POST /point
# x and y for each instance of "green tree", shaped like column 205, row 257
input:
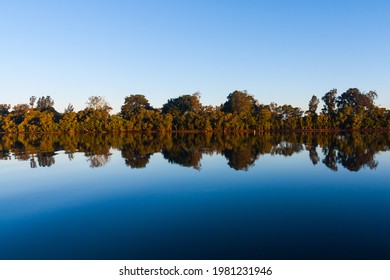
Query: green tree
column 183, row 104
column 356, row 99
column 313, row 105
column 19, row 112
column 330, row 103
column 240, row 102
column 98, row 103
column 69, row 109
column 68, row 123
column 4, row 109
column 264, row 118
column 32, row 101
column 43, row 103
column 133, row 105
column 95, row 117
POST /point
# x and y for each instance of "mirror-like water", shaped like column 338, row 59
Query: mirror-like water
column 195, row 196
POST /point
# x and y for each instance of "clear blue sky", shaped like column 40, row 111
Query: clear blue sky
column 281, row 51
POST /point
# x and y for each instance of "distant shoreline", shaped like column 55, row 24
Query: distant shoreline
column 246, row 131
column 353, row 110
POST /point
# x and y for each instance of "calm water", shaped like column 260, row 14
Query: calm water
column 188, row 196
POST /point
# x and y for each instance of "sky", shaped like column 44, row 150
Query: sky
column 279, row 51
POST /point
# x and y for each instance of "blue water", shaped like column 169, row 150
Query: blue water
column 277, row 207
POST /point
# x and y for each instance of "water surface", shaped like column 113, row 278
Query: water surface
column 195, row 196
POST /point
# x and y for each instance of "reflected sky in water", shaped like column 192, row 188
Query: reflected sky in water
column 195, row 197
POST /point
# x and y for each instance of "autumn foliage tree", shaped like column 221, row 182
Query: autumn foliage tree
column 352, row 110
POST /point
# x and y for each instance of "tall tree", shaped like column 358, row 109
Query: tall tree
column 330, row 103
column 32, row 101
column 133, row 105
column 44, row 103
column 355, row 99
column 4, row 109
column 21, row 109
column 69, row 109
column 98, row 103
column 240, row 102
column 313, row 105
column 183, row 104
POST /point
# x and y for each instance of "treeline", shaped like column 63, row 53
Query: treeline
column 352, row 110
column 352, row 151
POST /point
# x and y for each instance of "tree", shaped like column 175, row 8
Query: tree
column 264, row 118
column 330, row 103
column 4, row 109
column 69, row 109
column 356, row 99
column 68, row 122
column 288, row 111
column 32, row 101
column 98, row 103
column 313, row 105
column 133, row 105
column 44, row 103
column 21, row 109
column 240, row 102
column 183, row 104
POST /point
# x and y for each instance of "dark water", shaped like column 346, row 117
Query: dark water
column 188, row 196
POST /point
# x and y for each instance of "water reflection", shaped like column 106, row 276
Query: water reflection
column 352, row 151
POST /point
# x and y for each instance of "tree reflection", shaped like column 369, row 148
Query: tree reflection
column 98, row 160
column 241, row 150
column 183, row 157
column 5, row 155
column 96, row 148
column 134, row 158
column 186, row 149
column 46, row 159
column 330, row 152
column 352, row 151
column 33, row 163
column 311, row 144
column 137, row 148
column 240, row 158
